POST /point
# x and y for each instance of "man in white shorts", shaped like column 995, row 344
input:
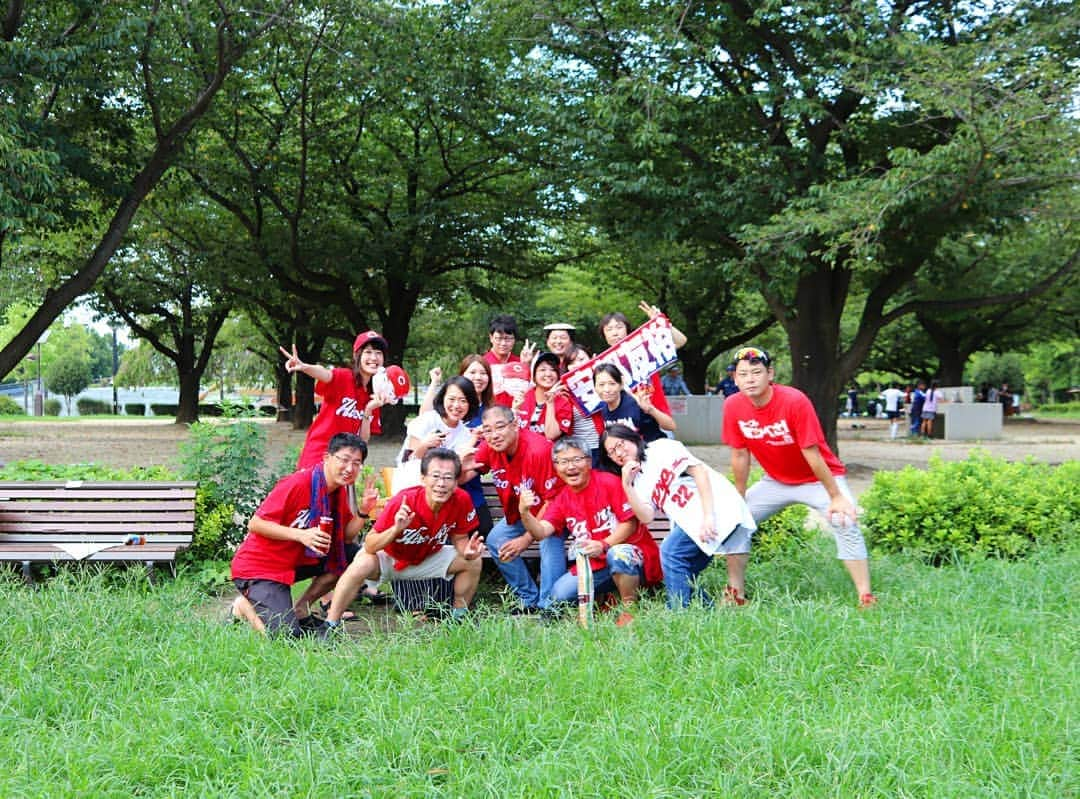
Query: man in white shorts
column 778, row 426
column 424, row 532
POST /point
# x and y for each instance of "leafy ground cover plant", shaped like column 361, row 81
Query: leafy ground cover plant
column 982, row 506
column 38, row 470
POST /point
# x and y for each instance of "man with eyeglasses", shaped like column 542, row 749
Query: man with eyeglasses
column 503, row 333
column 778, row 426
column 593, row 510
column 518, row 460
column 285, row 544
column 425, row 532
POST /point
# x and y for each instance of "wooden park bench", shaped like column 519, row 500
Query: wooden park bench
column 130, row 521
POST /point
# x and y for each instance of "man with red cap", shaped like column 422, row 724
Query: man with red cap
column 350, row 402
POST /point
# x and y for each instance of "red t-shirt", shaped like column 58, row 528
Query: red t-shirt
column 531, row 416
column 777, row 434
column 596, row 511
column 343, row 402
column 429, row 531
column 530, row 466
column 262, row 558
column 492, row 358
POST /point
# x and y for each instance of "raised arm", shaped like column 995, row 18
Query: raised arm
column 312, row 370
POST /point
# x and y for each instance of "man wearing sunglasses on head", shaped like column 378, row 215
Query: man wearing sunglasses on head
column 778, row 426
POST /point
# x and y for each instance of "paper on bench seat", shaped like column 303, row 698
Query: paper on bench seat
column 80, row 551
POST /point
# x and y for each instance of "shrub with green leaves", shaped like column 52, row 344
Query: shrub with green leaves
column 982, row 507
column 783, row 533
column 93, row 407
column 52, row 407
column 228, row 461
column 9, row 407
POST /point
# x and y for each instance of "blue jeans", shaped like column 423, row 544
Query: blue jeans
column 516, row 572
column 682, row 561
column 565, row 588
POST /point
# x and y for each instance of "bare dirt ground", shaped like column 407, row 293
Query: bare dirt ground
column 145, row 442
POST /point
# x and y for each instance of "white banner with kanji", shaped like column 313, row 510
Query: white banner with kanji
column 638, row 356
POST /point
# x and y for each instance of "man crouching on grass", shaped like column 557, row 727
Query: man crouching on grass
column 424, row 532
column 284, row 543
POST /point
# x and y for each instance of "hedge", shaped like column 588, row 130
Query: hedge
column 982, row 507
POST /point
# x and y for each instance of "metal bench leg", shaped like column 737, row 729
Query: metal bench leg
column 150, row 571
column 28, row 573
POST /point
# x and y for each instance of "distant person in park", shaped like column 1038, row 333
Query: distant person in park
column 594, row 512
column 727, row 386
column 918, row 398
column 893, row 399
column 425, row 532
column 517, row 460
column 673, row 383
column 1005, row 397
column 636, row 411
column 285, row 544
column 350, row 404
column 663, row 477
column 778, row 426
column 852, row 405
column 503, row 334
column 934, row 396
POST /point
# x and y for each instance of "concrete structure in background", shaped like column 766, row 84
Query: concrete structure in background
column 968, row 421
column 697, row 418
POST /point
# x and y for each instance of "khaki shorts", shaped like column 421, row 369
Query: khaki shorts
column 435, row 565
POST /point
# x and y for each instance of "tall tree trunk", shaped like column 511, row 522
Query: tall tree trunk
column 303, row 411
column 187, row 407
column 814, row 338
column 283, row 392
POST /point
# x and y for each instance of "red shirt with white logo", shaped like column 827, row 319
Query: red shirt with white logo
column 342, row 406
column 531, row 415
column 530, row 466
column 428, row 531
column 261, row 558
column 777, row 433
column 595, row 512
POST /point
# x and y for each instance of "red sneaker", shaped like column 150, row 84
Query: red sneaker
column 624, row 619
column 730, row 596
column 867, row 601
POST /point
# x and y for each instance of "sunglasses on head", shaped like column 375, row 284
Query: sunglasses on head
column 753, row 355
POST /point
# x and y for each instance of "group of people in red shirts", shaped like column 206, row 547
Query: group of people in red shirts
column 594, row 481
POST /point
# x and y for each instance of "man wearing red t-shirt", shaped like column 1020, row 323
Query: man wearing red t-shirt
column 593, row 510
column 778, row 426
column 517, row 460
column 285, row 543
column 424, row 532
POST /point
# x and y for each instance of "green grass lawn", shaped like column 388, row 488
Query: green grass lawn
column 963, row 683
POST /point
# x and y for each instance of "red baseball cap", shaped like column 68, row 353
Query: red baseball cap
column 372, row 338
